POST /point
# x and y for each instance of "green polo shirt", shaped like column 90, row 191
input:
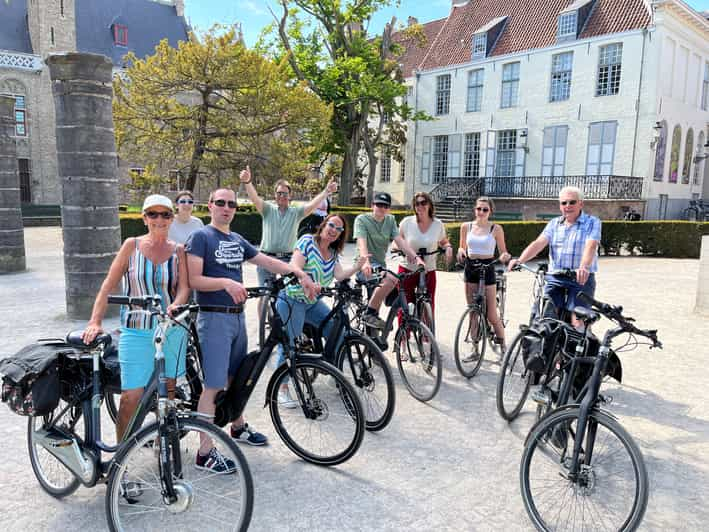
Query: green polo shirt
column 377, row 234
column 280, row 230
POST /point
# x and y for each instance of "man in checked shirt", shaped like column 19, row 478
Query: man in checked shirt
column 573, row 240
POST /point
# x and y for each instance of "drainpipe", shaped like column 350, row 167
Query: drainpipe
column 416, row 108
column 637, row 104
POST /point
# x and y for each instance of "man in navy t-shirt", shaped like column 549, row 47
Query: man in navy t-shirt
column 215, row 256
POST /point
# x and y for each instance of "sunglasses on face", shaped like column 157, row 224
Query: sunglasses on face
column 421, row 202
column 381, row 205
column 154, row 214
column 569, row 202
column 221, row 203
column 337, row 228
column 185, row 201
column 482, row 209
column 282, row 194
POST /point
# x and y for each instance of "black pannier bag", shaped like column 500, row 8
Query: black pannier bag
column 30, row 379
column 537, row 344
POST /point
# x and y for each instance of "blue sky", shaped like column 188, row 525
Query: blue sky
column 254, row 15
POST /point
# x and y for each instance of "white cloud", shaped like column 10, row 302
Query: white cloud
column 253, row 7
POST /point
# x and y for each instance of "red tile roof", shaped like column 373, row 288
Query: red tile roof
column 414, row 53
column 530, row 24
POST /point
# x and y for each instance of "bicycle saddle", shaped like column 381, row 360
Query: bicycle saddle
column 74, row 340
column 586, row 315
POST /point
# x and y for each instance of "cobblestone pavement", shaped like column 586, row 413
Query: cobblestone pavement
column 452, row 464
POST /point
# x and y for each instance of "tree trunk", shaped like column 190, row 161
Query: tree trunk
column 12, row 236
column 199, row 145
column 87, row 164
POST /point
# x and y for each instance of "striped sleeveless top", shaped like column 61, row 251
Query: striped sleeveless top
column 320, row 270
column 144, row 277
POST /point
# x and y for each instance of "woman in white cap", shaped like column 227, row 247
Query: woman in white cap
column 148, row 265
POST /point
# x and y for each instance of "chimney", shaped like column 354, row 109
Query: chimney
column 179, row 7
column 411, row 21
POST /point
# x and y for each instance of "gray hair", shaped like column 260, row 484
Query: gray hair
column 572, row 190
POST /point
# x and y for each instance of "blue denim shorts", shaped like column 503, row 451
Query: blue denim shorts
column 223, row 340
column 136, row 353
column 554, row 290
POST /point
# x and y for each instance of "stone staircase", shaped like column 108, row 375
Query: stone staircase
column 454, row 209
column 454, row 199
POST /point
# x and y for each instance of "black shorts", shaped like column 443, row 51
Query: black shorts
column 472, row 274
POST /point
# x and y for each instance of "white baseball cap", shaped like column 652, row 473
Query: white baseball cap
column 157, row 200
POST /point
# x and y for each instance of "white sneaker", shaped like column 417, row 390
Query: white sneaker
column 285, row 400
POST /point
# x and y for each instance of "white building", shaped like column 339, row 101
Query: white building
column 610, row 95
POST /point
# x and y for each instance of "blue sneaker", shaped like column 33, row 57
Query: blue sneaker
column 246, row 435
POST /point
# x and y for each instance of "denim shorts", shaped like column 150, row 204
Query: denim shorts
column 223, row 340
column 136, row 354
column 554, row 289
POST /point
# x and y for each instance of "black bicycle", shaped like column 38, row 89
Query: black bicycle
column 473, row 327
column 356, row 355
column 152, row 479
column 580, row 467
column 415, row 348
column 327, row 425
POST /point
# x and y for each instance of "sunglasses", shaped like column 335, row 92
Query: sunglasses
column 282, row 194
column 482, row 209
column 222, row 203
column 337, row 228
column 185, row 201
column 421, row 202
column 569, row 202
column 154, row 214
column 382, row 205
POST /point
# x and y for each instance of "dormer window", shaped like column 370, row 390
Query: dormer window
column 479, row 45
column 120, row 35
column 567, row 26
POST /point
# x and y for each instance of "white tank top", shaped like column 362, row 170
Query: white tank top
column 481, row 245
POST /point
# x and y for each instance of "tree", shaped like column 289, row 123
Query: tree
column 360, row 76
column 212, row 105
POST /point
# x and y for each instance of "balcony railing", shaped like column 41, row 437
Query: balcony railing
column 592, row 186
column 20, row 61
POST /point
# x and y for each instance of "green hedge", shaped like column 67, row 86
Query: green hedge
column 671, row 239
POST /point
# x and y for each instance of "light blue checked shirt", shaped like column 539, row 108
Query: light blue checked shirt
column 566, row 243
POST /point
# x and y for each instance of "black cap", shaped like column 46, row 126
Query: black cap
column 382, row 197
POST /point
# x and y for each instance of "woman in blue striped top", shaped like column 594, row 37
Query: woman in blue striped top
column 148, row 265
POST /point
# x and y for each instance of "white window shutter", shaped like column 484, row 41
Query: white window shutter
column 455, row 143
column 426, row 161
column 490, row 154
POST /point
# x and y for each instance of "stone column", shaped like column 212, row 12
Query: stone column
column 12, row 236
column 87, row 167
column 703, row 279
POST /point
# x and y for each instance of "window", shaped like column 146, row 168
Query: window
column 479, row 45
column 561, row 66
column 61, row 7
column 609, row 69
column 385, row 169
column 475, row 90
column 385, row 117
column 471, row 161
column 25, row 191
column 443, row 94
column 688, row 154
column 700, row 151
column 554, row 150
column 506, row 149
column 660, row 151
column 120, row 35
column 674, row 154
column 173, row 180
column 510, row 85
column 402, row 170
column 567, row 26
column 601, row 148
column 51, row 35
column 705, row 87
column 440, row 158
column 20, row 116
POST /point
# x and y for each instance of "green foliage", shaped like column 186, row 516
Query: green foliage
column 211, row 106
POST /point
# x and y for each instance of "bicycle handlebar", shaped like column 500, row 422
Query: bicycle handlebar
column 420, row 253
column 144, row 302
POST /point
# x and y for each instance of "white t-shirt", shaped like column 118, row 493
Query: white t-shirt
column 416, row 239
column 179, row 232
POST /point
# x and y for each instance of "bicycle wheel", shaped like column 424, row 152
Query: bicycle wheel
column 424, row 312
column 265, row 321
column 328, row 428
column 469, row 345
column 206, row 500
column 52, row 475
column 513, row 382
column 419, row 359
column 611, row 488
column 364, row 365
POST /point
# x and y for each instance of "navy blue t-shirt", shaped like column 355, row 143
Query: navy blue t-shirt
column 223, row 255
